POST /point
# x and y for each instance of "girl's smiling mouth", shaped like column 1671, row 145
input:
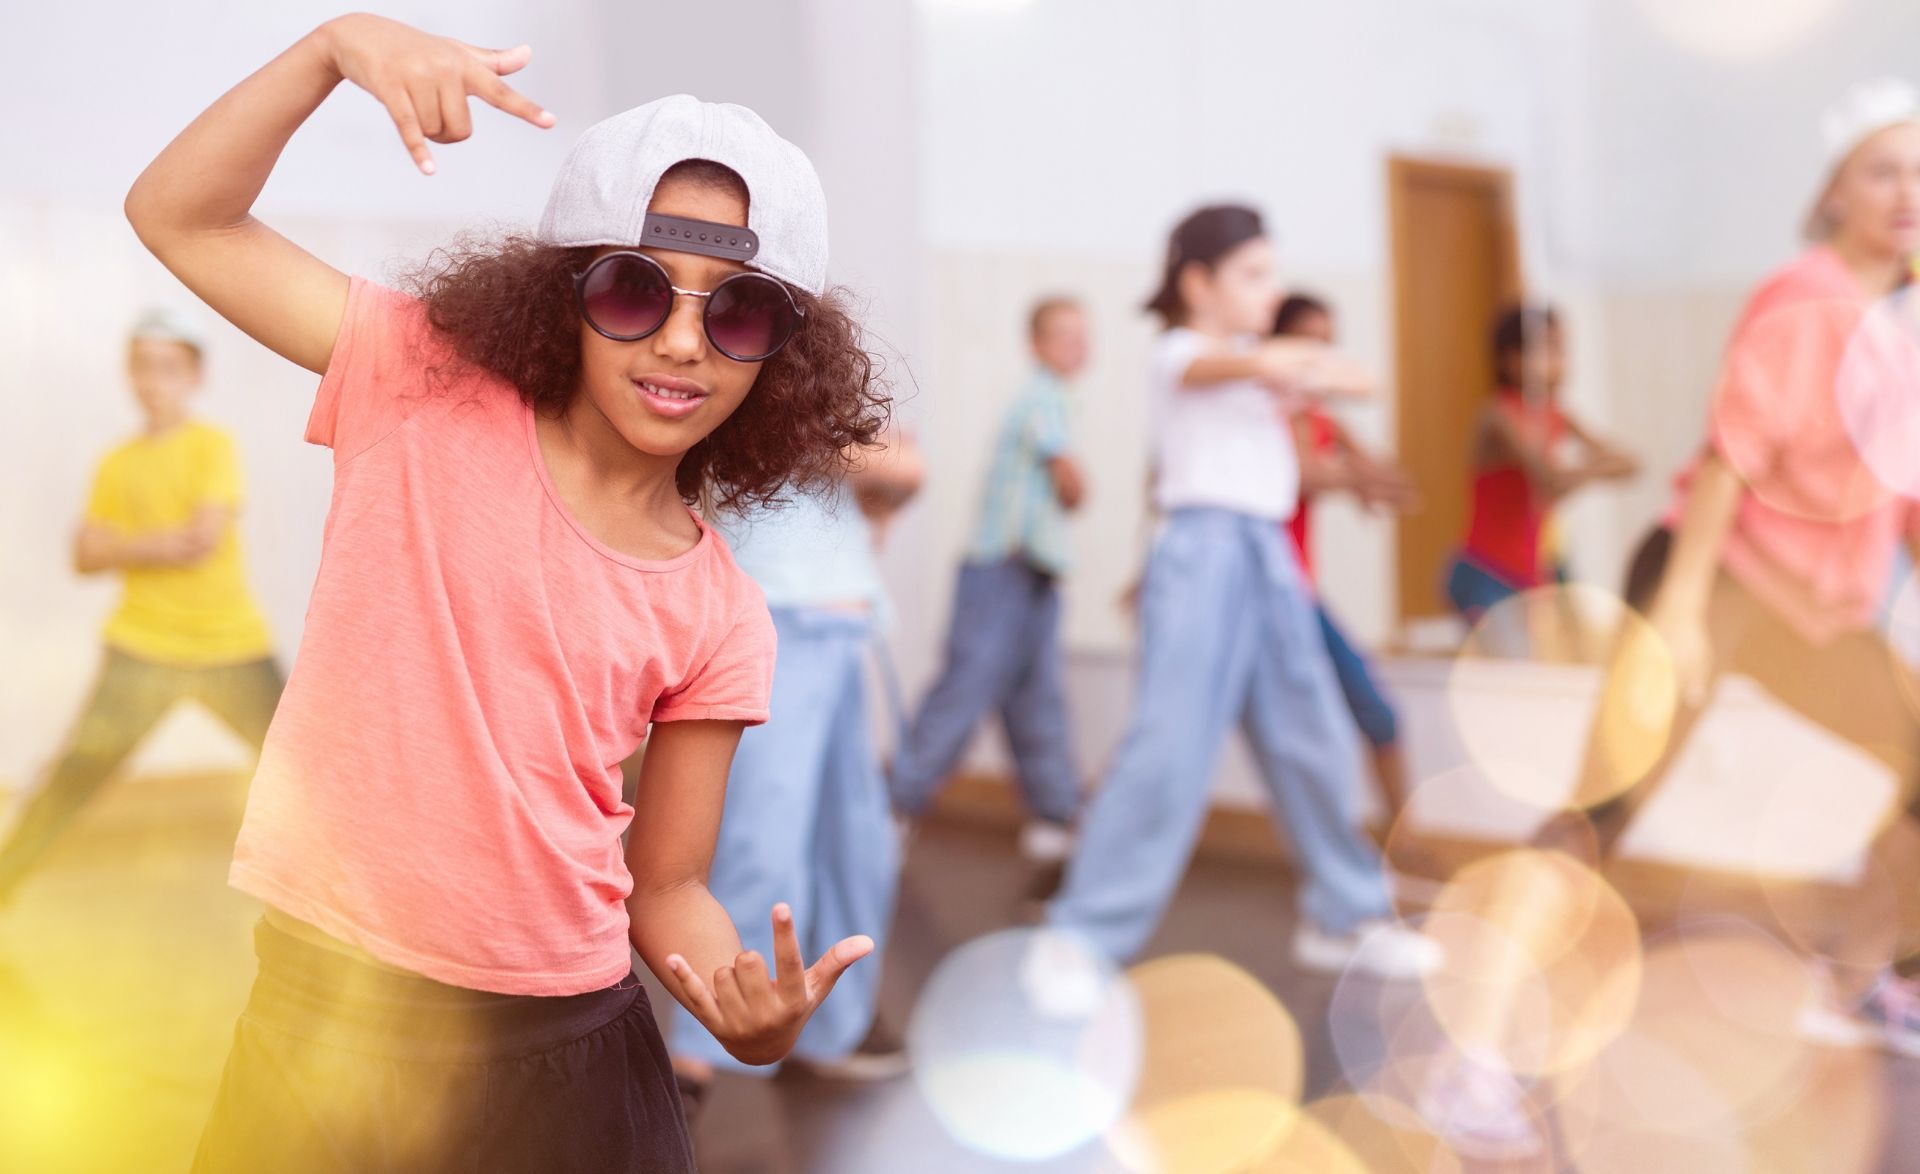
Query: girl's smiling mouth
column 668, row 396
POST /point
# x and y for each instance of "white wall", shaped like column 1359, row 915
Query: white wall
column 1064, row 138
column 1710, row 160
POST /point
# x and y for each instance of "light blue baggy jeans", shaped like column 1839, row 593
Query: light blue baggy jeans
column 1227, row 631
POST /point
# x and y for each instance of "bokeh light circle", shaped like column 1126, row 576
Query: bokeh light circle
column 1221, row 1070
column 1529, row 729
column 1861, row 913
column 1307, row 1147
column 1543, row 961
column 1381, row 1142
column 1026, row 1043
column 1406, row 1068
column 1878, row 391
column 1777, row 412
column 1712, row 1052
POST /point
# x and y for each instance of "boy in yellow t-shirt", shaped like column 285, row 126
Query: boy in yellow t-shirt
column 162, row 514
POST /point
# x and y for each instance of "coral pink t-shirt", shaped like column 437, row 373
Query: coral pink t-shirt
column 1818, row 411
column 441, row 783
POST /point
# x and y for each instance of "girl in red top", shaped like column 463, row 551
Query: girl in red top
column 1528, row 455
column 513, row 592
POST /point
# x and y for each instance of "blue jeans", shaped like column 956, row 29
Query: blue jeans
column 807, row 822
column 1228, row 632
column 1474, row 590
column 1371, row 710
column 1003, row 653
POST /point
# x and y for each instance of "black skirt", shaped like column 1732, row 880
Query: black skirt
column 341, row 1066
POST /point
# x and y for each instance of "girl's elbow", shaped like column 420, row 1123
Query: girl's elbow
column 137, row 206
column 144, row 211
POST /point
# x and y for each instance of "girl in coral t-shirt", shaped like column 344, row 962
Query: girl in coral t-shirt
column 512, row 591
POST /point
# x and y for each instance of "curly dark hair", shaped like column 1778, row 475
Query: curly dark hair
column 506, row 304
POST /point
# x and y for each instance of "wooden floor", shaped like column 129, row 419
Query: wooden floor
column 124, row 963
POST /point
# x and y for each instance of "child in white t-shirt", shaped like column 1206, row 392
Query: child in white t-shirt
column 1228, row 629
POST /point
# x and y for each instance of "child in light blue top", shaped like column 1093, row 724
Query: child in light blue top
column 1003, row 643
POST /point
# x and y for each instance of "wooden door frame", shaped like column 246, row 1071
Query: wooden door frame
column 1403, row 172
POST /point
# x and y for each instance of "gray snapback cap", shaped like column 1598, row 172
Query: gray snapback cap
column 601, row 194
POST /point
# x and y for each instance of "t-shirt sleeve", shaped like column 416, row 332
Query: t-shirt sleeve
column 104, row 504
column 1047, row 428
column 219, row 472
column 736, row 681
column 1173, row 353
column 375, row 377
column 1776, row 386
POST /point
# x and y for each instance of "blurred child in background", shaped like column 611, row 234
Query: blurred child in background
column 1228, row 630
column 1003, row 641
column 164, row 516
column 1529, row 455
column 807, row 816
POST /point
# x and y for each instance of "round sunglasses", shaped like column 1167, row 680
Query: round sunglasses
column 627, row 296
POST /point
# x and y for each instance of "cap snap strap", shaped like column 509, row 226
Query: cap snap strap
column 727, row 241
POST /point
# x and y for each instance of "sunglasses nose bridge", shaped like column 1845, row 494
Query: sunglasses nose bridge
column 683, row 331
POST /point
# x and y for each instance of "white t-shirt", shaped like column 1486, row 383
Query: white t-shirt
column 1224, row 445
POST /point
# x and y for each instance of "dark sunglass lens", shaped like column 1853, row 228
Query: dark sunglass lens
column 626, row 296
column 750, row 317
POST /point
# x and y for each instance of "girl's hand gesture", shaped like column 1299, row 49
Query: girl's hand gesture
column 424, row 81
column 757, row 1016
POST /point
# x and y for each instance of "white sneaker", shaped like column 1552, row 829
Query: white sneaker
column 905, row 829
column 1061, row 977
column 1379, row 948
column 1044, row 842
column 1826, row 1021
column 1887, row 1016
column 1480, row 1112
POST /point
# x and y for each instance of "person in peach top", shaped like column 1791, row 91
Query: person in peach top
column 1774, row 557
column 513, row 593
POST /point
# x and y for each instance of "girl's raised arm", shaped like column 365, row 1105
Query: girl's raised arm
column 193, row 205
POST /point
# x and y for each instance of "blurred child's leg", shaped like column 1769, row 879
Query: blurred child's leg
column 1372, row 712
column 985, row 654
column 1035, row 714
column 1303, row 739
column 1198, row 632
column 243, row 695
column 129, row 696
column 856, row 868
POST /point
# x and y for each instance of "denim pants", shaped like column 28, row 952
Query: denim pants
column 1372, row 711
column 1003, row 656
column 1228, row 632
column 129, row 698
column 807, row 822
